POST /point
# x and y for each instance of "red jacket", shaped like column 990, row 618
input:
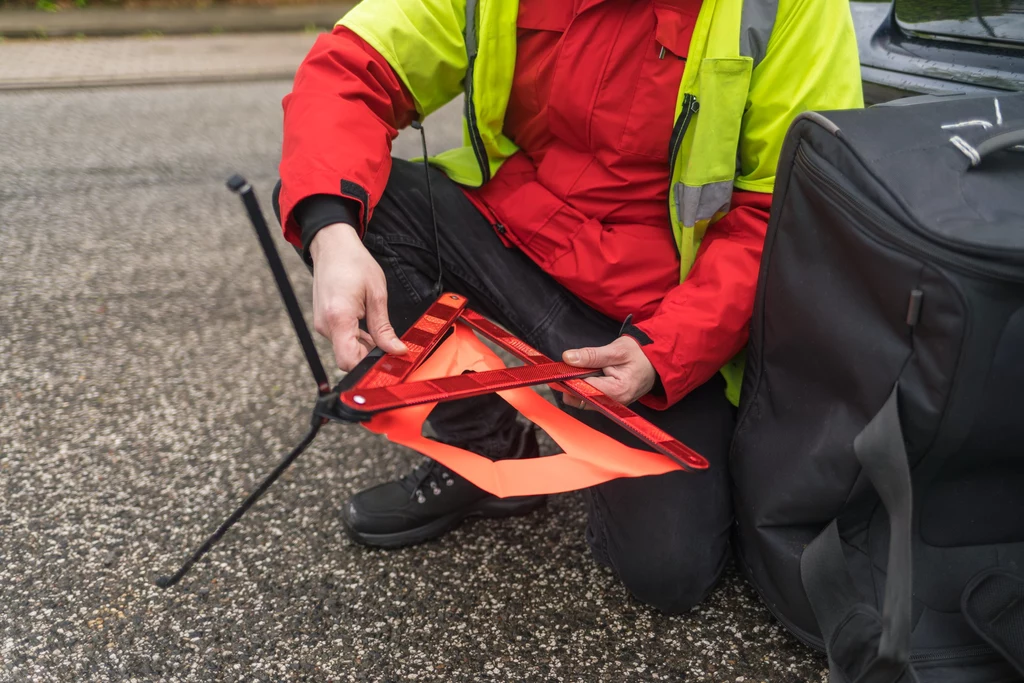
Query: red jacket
column 586, row 197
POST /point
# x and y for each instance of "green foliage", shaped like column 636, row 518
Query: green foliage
column 919, row 11
column 53, row 6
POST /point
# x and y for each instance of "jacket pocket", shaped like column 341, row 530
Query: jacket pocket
column 648, row 126
column 543, row 15
column 539, row 223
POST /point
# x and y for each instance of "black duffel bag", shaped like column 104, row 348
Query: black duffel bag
column 879, row 454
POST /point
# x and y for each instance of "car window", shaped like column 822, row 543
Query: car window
column 999, row 21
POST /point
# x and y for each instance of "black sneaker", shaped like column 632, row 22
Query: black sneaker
column 431, row 501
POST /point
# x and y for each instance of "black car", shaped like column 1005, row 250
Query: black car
column 936, row 47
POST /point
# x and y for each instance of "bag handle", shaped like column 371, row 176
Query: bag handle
column 993, row 604
column 1000, row 141
column 849, row 625
column 976, row 153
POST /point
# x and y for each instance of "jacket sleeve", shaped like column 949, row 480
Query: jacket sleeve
column 386, row 63
column 703, row 322
column 344, row 110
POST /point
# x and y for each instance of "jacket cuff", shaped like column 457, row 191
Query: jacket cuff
column 673, row 380
column 658, row 397
column 318, row 211
column 657, row 392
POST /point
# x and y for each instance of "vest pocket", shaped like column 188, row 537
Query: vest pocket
column 724, row 84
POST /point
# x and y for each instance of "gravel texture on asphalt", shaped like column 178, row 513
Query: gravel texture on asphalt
column 149, row 377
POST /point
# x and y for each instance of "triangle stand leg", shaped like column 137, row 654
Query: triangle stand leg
column 314, row 429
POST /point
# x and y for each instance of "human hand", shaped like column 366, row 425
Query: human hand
column 628, row 374
column 348, row 286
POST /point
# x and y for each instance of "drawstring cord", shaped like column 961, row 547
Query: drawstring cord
column 438, row 288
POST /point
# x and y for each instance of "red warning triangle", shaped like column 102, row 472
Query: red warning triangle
column 400, row 392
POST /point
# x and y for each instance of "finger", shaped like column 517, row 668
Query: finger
column 595, row 357
column 366, row 339
column 379, row 325
column 572, row 401
column 348, row 350
column 367, row 343
column 611, row 388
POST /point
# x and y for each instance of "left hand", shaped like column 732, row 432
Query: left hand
column 628, row 374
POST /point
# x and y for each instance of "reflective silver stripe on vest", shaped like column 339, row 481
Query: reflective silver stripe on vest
column 756, row 27
column 471, row 44
column 696, row 203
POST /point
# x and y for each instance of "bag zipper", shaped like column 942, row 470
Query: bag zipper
column 949, row 653
column 883, row 227
column 954, row 244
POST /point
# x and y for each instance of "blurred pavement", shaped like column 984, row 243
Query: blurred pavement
column 115, row 21
column 149, row 376
column 34, row 64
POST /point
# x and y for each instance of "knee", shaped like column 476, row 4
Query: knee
column 670, row 584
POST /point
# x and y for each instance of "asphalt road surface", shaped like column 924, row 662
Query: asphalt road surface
column 148, row 377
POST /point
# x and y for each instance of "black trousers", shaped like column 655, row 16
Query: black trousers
column 666, row 537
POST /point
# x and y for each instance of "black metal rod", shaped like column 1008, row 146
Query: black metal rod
column 241, row 187
column 168, row 581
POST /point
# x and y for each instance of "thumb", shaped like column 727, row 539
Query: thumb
column 590, row 357
column 379, row 326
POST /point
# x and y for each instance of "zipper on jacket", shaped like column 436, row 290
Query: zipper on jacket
column 690, row 107
column 474, row 132
column 881, row 227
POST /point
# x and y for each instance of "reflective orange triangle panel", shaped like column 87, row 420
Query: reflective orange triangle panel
column 589, row 457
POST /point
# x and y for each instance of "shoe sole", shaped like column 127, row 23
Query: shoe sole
column 491, row 507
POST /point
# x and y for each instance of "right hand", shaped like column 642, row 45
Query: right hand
column 348, row 286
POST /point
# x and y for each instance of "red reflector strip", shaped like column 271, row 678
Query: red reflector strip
column 376, row 399
column 654, row 437
column 657, row 438
column 511, row 343
column 421, row 338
